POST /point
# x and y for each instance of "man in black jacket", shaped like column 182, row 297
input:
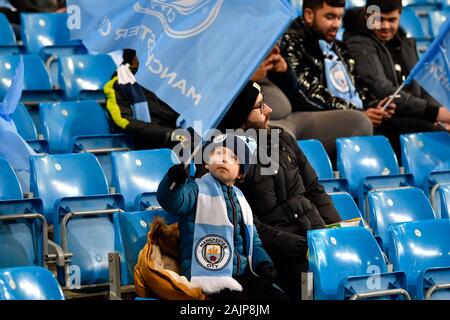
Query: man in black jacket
column 126, row 99
column 286, row 198
column 384, row 57
column 325, row 73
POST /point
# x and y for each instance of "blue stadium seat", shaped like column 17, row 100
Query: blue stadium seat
column 82, row 77
column 9, row 184
column 78, row 126
column 137, row 174
column 74, row 191
column 415, row 29
column 421, row 8
column 23, row 233
column 37, row 86
column 8, row 43
column 427, row 157
column 444, row 201
column 436, row 20
column 131, row 229
column 345, row 262
column 27, row 129
column 23, row 230
column 346, row 206
column 396, row 205
column 319, row 160
column 46, row 34
column 369, row 163
column 29, row 283
column 70, row 175
column 422, row 250
column 81, row 127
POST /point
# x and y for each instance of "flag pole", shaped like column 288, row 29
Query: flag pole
column 392, row 97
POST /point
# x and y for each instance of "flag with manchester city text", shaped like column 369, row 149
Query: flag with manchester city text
column 196, row 55
column 432, row 71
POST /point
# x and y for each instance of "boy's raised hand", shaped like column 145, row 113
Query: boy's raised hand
column 178, row 173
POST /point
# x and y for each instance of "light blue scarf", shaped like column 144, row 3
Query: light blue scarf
column 338, row 80
column 139, row 104
column 213, row 246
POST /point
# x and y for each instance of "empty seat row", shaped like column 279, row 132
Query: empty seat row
column 369, row 163
column 80, row 77
column 84, row 215
column 44, row 34
column 71, row 127
column 347, row 263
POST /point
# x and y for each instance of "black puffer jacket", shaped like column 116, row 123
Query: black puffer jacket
column 376, row 68
column 300, row 47
column 288, row 203
column 153, row 135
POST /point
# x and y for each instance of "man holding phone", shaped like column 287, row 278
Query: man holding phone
column 385, row 56
column 324, row 126
column 326, row 78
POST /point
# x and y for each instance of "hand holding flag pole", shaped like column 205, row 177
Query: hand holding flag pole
column 432, row 71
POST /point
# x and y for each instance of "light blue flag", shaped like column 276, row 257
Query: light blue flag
column 14, row 93
column 13, row 147
column 432, row 71
column 196, row 55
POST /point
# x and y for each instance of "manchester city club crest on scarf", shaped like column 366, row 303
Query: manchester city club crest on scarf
column 213, row 252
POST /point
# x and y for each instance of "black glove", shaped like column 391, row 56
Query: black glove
column 178, row 173
column 266, row 271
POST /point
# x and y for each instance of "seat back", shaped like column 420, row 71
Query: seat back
column 66, row 175
column 418, row 246
column 362, row 157
column 317, row 157
column 355, row 3
column 24, row 123
column 83, row 76
column 396, row 205
column 444, row 199
column 346, row 206
column 90, row 239
column 423, row 153
column 36, row 77
column 335, row 254
column 412, row 25
column 21, row 242
column 9, row 184
column 7, row 36
column 138, row 172
column 29, row 283
column 41, row 30
column 131, row 229
column 63, row 121
column 437, row 19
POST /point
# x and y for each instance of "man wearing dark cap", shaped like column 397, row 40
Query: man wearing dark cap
column 287, row 199
column 139, row 112
column 385, row 56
